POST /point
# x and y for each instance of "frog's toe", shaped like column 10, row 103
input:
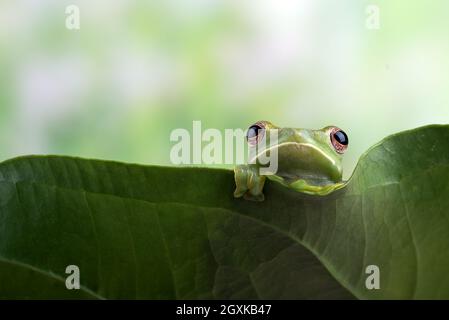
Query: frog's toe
column 238, row 193
column 254, row 197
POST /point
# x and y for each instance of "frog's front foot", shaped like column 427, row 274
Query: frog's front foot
column 249, row 184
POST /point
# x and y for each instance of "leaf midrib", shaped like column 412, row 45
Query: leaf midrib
column 48, row 274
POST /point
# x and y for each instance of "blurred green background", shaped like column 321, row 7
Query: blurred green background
column 136, row 70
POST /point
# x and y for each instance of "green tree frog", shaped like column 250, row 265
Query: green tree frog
column 308, row 161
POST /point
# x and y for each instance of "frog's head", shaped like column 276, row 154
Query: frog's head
column 312, row 155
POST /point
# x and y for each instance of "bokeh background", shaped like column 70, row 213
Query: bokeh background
column 136, row 70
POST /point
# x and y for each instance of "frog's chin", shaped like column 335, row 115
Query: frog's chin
column 302, row 186
column 289, row 178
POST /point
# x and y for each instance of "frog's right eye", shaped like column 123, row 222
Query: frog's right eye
column 339, row 140
column 255, row 133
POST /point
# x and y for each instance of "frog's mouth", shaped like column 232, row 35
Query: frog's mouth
column 301, row 160
column 305, row 145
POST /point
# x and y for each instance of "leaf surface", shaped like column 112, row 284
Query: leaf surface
column 163, row 232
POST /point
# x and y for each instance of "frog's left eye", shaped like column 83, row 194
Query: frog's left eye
column 255, row 133
column 339, row 140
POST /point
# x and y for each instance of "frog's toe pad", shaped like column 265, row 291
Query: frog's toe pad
column 252, row 197
column 239, row 193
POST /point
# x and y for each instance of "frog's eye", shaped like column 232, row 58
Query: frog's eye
column 255, row 133
column 339, row 140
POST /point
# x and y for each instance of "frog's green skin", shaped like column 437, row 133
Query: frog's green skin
column 307, row 162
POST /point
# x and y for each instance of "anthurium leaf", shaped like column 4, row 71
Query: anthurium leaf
column 164, row 232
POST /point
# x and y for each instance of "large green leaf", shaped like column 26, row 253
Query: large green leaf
column 159, row 232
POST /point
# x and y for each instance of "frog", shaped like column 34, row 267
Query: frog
column 308, row 161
